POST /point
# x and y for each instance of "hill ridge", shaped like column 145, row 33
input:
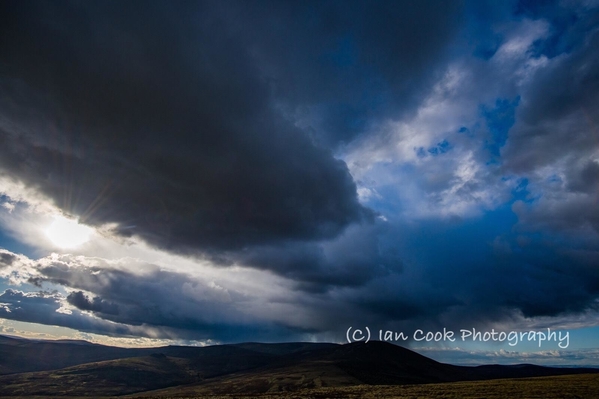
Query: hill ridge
column 49, row 368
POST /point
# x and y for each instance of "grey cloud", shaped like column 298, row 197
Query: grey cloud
column 584, row 179
column 455, row 274
column 41, row 307
column 7, row 259
column 171, row 304
column 569, row 23
column 157, row 118
column 339, row 65
column 539, row 278
column 564, row 213
column 558, row 116
column 139, row 299
column 569, row 87
column 354, row 258
column 97, row 304
column 553, row 143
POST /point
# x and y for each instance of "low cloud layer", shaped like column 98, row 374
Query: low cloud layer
column 130, row 298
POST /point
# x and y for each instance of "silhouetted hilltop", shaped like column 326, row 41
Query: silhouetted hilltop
column 49, row 368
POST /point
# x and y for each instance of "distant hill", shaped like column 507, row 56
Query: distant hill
column 21, row 355
column 50, row 368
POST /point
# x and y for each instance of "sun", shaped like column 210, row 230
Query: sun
column 68, row 233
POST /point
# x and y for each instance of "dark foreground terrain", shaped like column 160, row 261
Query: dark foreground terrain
column 377, row 369
column 568, row 386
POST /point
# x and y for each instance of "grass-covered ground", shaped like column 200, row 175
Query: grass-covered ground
column 563, row 387
column 569, row 386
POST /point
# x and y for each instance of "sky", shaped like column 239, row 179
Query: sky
column 205, row 172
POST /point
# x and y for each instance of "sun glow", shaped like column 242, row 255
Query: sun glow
column 68, row 233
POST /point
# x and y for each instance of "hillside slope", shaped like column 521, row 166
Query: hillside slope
column 48, row 368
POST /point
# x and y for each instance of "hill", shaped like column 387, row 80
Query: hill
column 47, row 368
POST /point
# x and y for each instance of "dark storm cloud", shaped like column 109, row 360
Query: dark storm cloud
column 157, row 118
column 585, row 178
column 541, row 279
column 468, row 273
column 351, row 260
column 345, row 64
